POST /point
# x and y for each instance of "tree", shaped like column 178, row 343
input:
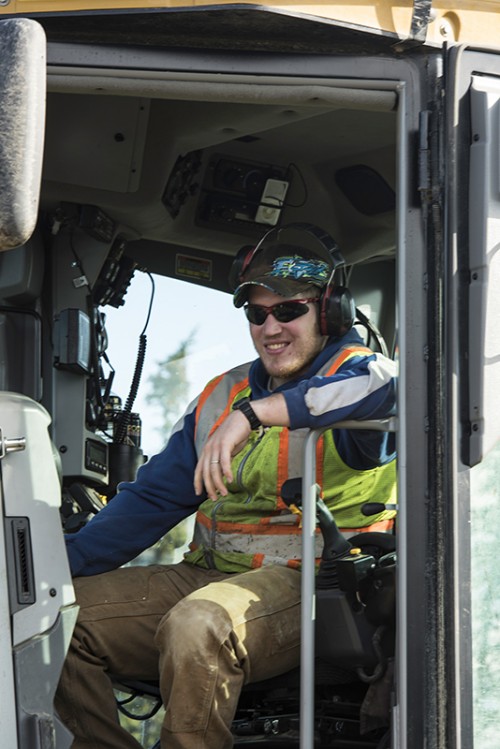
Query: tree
column 169, row 386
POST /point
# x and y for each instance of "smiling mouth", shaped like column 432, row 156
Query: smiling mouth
column 276, row 347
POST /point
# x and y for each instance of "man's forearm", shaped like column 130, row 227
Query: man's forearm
column 272, row 411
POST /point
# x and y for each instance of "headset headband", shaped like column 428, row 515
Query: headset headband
column 325, row 239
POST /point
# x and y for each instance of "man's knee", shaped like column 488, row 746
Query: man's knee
column 193, row 624
column 250, row 621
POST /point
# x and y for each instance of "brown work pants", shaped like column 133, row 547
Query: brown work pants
column 202, row 633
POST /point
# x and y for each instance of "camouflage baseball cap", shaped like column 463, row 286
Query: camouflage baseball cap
column 284, row 269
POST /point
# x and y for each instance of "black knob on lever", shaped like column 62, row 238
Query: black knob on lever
column 373, row 508
column 291, row 492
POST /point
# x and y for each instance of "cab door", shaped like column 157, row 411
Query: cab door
column 22, row 102
column 468, row 642
column 38, row 610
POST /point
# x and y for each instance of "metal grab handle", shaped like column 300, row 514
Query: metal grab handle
column 11, row 445
column 308, row 595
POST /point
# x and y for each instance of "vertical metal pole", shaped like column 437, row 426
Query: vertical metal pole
column 308, row 582
column 308, row 612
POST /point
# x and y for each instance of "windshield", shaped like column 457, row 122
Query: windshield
column 194, row 334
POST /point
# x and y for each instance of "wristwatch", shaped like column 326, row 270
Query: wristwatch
column 245, row 407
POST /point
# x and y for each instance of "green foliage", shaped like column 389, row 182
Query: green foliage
column 169, row 387
column 146, row 732
column 163, row 551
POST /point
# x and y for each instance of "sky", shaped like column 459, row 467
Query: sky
column 221, row 340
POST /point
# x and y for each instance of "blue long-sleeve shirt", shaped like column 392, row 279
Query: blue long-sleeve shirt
column 163, row 493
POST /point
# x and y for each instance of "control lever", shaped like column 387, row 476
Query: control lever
column 335, row 545
column 79, row 505
column 343, row 634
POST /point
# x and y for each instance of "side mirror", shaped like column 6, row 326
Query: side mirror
column 22, row 126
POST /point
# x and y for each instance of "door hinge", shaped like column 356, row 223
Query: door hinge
column 429, row 176
column 424, row 157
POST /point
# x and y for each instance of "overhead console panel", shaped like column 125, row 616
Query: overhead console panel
column 239, row 194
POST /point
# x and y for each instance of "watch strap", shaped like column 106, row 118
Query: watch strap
column 246, row 409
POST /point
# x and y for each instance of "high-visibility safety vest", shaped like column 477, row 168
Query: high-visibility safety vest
column 252, row 526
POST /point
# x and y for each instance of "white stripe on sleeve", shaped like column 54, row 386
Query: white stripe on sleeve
column 349, row 391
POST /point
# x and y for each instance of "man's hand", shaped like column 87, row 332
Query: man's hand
column 214, row 465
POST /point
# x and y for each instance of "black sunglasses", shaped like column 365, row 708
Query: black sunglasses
column 282, row 312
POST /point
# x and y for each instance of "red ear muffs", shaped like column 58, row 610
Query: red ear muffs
column 240, row 264
column 336, row 310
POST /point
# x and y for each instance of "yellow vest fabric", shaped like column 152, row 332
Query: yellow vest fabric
column 252, row 526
